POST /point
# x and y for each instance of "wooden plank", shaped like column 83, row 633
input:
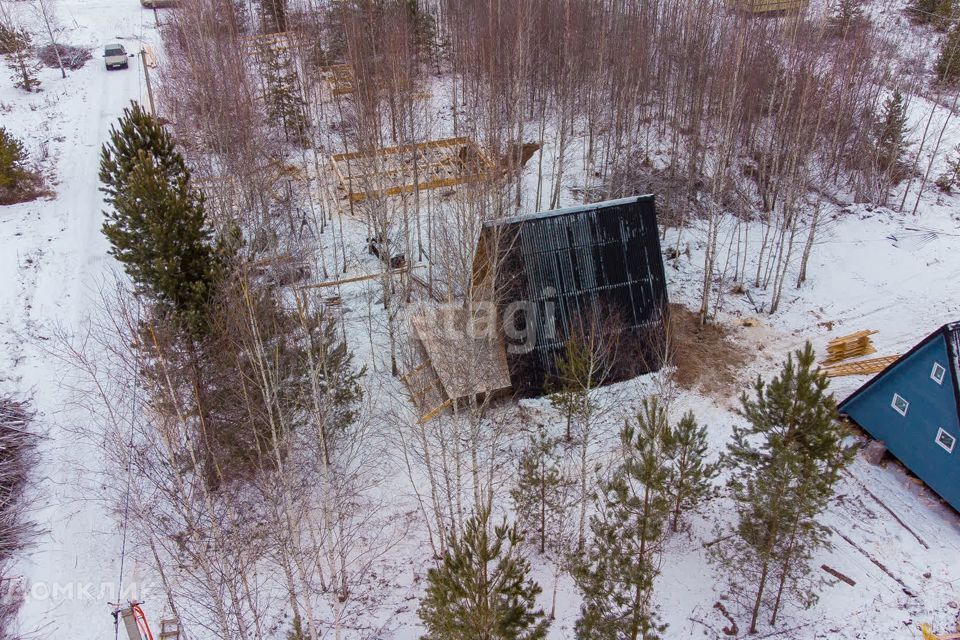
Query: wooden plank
column 433, row 413
column 861, row 367
column 839, row 576
column 150, row 57
column 369, row 276
column 853, row 345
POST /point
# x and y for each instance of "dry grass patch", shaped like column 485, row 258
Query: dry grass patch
column 706, row 357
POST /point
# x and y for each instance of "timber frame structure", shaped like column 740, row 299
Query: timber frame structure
column 404, row 169
column 339, row 79
column 768, row 6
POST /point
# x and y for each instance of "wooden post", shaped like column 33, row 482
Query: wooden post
column 146, row 75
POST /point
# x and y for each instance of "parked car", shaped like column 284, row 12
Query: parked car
column 115, row 57
column 159, row 4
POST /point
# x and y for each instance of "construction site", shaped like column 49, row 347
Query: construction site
column 485, row 285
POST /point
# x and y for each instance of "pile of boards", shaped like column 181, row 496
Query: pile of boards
column 855, row 345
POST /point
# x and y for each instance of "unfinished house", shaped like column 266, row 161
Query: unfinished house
column 408, row 168
column 593, row 273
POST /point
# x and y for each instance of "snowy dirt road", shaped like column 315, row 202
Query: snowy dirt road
column 53, row 263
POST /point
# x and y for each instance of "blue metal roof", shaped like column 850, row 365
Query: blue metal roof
column 951, row 333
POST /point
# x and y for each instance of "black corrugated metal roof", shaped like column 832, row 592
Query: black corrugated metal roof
column 526, row 217
column 596, row 260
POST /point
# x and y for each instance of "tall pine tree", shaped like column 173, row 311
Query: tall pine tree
column 784, row 463
column 15, row 47
column 481, row 590
column 157, row 225
column 691, row 476
column 616, row 575
column 541, row 496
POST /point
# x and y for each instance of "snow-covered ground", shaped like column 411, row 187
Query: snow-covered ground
column 53, row 260
column 871, row 268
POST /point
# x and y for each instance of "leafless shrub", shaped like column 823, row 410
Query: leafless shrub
column 18, row 531
column 72, row 56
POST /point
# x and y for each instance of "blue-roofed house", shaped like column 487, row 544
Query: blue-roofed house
column 913, row 406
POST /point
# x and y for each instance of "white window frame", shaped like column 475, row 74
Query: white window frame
column 938, row 373
column 942, row 432
column 893, row 403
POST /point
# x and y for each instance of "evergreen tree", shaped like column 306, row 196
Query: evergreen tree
column 846, row 16
column 273, row 13
column 784, row 463
column 13, row 161
column 691, row 475
column 334, row 379
column 578, row 373
column 948, row 61
column 481, row 590
column 541, row 494
column 939, row 13
column 949, row 179
column 890, row 135
column 15, row 47
column 617, row 573
column 157, row 226
column 286, row 107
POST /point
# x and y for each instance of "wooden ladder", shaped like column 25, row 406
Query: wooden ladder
column 170, row 629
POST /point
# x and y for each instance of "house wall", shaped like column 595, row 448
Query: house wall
column 912, row 438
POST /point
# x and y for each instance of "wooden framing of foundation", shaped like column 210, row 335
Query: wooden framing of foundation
column 338, row 78
column 269, row 41
column 404, row 169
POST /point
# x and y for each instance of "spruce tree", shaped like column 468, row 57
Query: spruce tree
column 157, row 225
column 784, row 463
column 286, row 107
column 617, row 573
column 948, row 61
column 541, row 494
column 481, row 590
column 890, row 134
column 691, row 476
column 846, row 16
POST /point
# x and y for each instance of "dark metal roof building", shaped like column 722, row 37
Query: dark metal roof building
column 596, row 267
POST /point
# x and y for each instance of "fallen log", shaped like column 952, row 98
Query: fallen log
column 839, row 576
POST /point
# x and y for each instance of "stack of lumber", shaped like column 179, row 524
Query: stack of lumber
column 860, row 367
column 854, row 345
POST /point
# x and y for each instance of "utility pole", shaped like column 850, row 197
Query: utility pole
column 146, row 75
